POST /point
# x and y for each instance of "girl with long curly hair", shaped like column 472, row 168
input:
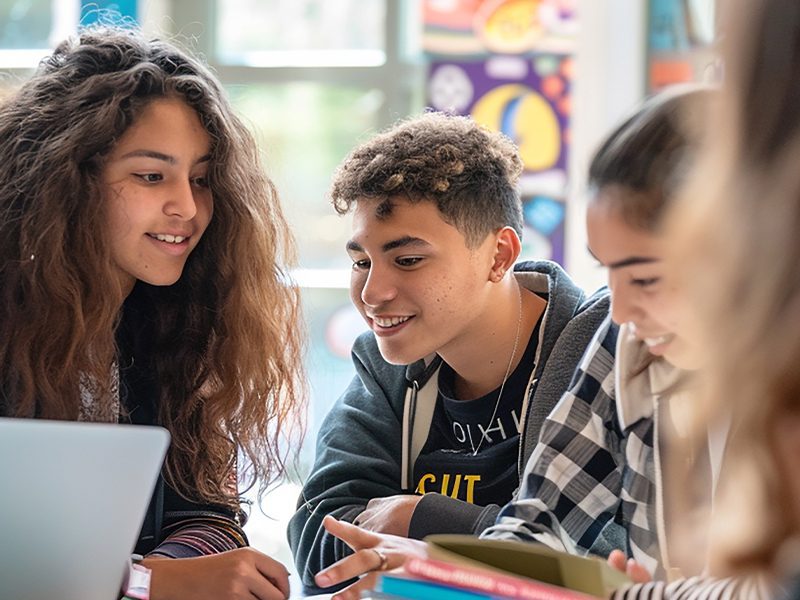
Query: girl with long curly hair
column 143, row 280
column 743, row 282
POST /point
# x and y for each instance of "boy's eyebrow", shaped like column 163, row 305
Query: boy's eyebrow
column 401, row 242
column 161, row 156
column 626, row 262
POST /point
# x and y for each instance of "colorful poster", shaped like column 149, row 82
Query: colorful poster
column 528, row 99
column 508, row 64
column 544, row 235
column 480, row 27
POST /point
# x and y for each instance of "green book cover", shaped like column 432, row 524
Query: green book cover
column 590, row 575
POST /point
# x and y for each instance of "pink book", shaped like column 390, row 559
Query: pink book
column 493, row 583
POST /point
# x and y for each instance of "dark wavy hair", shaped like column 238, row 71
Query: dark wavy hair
column 469, row 172
column 649, row 155
column 227, row 337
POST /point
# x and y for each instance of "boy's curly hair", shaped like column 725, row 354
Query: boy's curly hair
column 471, row 173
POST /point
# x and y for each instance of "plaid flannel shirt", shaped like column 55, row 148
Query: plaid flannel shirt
column 591, row 472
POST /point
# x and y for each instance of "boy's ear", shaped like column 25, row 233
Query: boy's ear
column 506, row 252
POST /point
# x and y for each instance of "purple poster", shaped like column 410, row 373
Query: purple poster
column 528, row 99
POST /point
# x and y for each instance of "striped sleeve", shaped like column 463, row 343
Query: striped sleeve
column 700, row 588
column 190, row 529
column 200, row 535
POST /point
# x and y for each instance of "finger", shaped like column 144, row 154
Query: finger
column 617, row 560
column 264, row 590
column 637, row 572
column 274, row 572
column 352, row 535
column 371, row 521
column 273, row 587
column 352, row 566
column 354, row 591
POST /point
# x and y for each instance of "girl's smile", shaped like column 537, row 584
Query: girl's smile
column 636, row 276
column 159, row 202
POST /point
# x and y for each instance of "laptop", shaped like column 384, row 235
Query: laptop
column 72, row 503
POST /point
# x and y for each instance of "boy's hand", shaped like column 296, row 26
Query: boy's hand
column 390, row 515
column 372, row 551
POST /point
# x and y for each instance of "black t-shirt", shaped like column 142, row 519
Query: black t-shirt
column 448, row 463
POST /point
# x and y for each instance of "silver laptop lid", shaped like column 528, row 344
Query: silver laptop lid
column 72, row 503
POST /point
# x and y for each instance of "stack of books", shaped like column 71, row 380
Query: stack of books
column 463, row 567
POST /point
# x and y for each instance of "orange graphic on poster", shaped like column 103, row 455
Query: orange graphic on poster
column 463, row 27
column 508, row 26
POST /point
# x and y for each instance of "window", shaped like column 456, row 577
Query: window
column 302, row 32
column 304, row 129
column 28, row 28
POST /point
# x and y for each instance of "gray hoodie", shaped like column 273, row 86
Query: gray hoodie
column 368, row 443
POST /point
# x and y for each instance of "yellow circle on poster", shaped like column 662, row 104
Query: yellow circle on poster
column 527, row 118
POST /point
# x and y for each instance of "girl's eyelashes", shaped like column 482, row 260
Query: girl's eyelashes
column 200, row 181
column 149, row 177
column 646, row 282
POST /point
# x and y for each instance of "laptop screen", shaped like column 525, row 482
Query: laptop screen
column 74, row 496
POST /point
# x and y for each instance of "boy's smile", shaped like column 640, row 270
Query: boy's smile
column 416, row 283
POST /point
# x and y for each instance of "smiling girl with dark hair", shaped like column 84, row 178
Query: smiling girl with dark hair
column 143, row 280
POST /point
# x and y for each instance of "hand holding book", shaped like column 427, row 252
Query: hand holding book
column 511, row 568
column 635, row 571
column 514, row 569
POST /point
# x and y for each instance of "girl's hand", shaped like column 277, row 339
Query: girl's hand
column 234, row 575
column 630, row 567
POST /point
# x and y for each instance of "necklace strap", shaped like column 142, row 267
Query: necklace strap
column 475, row 449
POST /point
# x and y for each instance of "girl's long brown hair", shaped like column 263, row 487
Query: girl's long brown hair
column 737, row 253
column 227, row 337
